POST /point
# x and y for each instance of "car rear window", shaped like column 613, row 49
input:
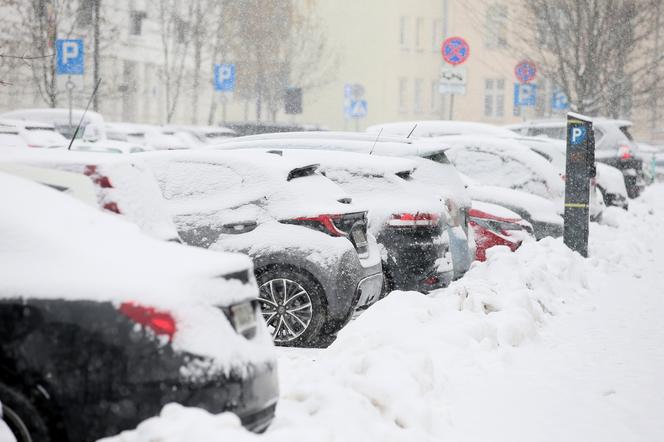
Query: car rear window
column 625, row 130
column 438, row 157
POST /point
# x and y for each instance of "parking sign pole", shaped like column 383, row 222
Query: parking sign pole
column 580, row 168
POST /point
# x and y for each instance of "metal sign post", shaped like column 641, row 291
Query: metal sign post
column 456, row 51
column 580, row 168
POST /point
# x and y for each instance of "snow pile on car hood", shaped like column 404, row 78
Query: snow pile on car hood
column 55, row 247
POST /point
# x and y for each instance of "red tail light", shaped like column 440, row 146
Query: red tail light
column 325, row 221
column 112, row 207
column 101, row 180
column 161, row 323
column 625, row 152
column 414, row 220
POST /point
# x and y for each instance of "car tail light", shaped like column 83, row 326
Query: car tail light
column 162, row 323
column 112, row 207
column 625, row 152
column 494, row 223
column 334, row 225
column 414, row 220
column 101, row 180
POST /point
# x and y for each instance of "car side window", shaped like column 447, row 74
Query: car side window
column 181, row 180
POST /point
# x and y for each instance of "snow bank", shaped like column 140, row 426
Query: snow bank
column 5, row 434
column 540, row 344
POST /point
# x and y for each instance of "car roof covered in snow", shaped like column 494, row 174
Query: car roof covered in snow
column 438, row 128
column 55, row 115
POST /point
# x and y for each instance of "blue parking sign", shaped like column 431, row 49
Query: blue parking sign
column 525, row 94
column 559, row 101
column 69, row 57
column 224, row 77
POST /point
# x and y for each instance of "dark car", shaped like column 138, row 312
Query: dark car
column 117, row 324
column 314, row 262
column 407, row 217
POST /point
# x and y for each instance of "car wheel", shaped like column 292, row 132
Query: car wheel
column 293, row 306
column 22, row 418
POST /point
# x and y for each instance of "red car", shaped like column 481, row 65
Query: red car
column 495, row 225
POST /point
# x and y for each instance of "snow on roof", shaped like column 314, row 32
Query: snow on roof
column 495, row 210
column 54, row 115
column 437, row 128
column 84, row 254
column 330, row 135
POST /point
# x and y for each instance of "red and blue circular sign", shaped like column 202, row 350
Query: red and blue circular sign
column 455, row 50
column 525, row 71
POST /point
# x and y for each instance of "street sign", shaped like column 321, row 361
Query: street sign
column 455, row 50
column 525, row 94
column 580, row 168
column 69, row 57
column 525, row 71
column 224, row 77
column 358, row 108
column 559, row 101
column 453, row 75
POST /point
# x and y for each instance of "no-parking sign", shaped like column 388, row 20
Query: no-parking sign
column 455, row 50
column 525, row 71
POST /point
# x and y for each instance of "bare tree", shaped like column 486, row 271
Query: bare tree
column 278, row 44
column 596, row 51
column 174, row 18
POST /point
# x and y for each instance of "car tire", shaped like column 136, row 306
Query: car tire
column 21, row 416
column 298, row 325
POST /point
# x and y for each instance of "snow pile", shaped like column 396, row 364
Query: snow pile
column 540, row 344
column 5, row 434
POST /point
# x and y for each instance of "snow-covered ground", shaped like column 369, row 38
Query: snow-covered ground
column 537, row 345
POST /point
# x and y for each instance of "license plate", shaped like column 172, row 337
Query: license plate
column 243, row 317
column 359, row 237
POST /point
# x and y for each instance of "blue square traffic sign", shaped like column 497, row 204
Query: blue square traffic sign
column 69, row 57
column 525, row 94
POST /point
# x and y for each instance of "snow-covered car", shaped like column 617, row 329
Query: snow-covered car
column 438, row 128
column 433, row 169
column 152, row 136
column 201, row 135
column 101, row 326
column 608, row 180
column 32, row 133
column 614, row 146
column 495, row 225
column 109, row 146
column 407, row 218
column 315, row 263
column 59, row 118
column 117, row 184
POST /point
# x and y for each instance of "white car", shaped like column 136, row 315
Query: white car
column 20, row 133
column 59, row 118
column 148, row 135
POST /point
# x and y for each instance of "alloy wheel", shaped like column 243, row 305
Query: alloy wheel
column 16, row 425
column 286, row 307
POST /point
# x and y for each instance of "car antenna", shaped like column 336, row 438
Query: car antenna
column 94, row 92
column 411, row 131
column 376, row 141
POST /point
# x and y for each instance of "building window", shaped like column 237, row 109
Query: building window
column 136, row 22
column 494, row 97
column 403, row 94
column 403, row 32
column 435, row 96
column 436, row 35
column 417, row 95
column 419, row 29
column 496, row 26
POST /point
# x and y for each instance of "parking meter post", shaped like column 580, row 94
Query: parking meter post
column 580, row 168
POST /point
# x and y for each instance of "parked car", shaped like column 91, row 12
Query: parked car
column 18, row 133
column 408, row 219
column 108, row 146
column 202, row 135
column 438, row 128
column 315, row 263
column 433, row 169
column 115, row 184
column 59, row 118
column 614, row 146
column 117, row 324
column 252, row 128
column 608, row 180
column 152, row 136
column 495, row 225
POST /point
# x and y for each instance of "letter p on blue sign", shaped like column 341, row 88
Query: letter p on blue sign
column 69, row 57
column 577, row 134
